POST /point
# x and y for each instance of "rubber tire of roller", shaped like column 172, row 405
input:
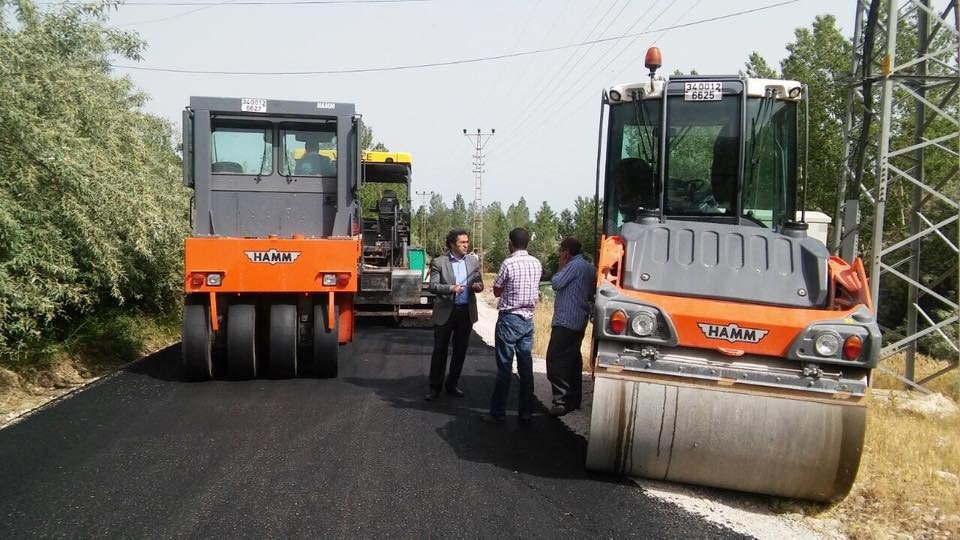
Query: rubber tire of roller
column 283, row 340
column 197, row 342
column 242, row 341
column 326, row 346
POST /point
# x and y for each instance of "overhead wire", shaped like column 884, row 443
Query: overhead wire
column 208, row 5
column 576, row 93
column 537, row 105
column 546, row 82
column 243, row 3
column 452, row 62
column 450, row 156
column 550, row 109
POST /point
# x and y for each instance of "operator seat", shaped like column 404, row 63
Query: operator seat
column 636, row 187
column 388, row 210
column 723, row 172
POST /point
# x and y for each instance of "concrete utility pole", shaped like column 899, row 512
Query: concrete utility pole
column 480, row 140
column 423, row 218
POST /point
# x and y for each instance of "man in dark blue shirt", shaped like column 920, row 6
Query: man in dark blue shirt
column 574, row 284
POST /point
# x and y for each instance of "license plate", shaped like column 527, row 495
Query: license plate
column 702, row 91
column 253, row 105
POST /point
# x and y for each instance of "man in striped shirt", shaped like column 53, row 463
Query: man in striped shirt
column 517, row 287
column 574, row 284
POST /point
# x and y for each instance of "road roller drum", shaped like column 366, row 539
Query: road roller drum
column 732, row 439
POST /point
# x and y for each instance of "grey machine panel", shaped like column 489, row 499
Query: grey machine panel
column 726, row 262
column 230, row 204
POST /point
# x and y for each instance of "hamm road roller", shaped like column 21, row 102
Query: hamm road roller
column 730, row 348
column 271, row 268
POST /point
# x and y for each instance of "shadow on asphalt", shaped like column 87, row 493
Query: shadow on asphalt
column 163, row 364
column 393, row 363
column 543, row 447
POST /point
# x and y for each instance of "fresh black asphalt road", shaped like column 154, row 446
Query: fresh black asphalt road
column 142, row 454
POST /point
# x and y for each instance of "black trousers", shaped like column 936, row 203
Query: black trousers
column 565, row 365
column 458, row 327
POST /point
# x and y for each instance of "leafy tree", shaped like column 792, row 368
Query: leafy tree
column 458, row 214
column 437, row 226
column 366, row 140
column 565, row 222
column 546, row 235
column 495, row 231
column 518, row 215
column 585, row 225
column 757, row 67
column 92, row 210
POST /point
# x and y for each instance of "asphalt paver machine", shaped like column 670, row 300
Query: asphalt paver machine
column 272, row 265
column 393, row 274
column 730, row 348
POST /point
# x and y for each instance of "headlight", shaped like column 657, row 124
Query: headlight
column 643, row 324
column 214, row 280
column 827, row 344
column 329, row 280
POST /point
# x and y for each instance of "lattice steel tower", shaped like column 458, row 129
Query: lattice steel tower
column 479, row 140
column 898, row 196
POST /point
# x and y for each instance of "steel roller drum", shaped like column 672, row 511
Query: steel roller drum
column 727, row 438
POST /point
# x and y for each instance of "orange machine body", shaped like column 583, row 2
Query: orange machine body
column 276, row 265
column 849, row 290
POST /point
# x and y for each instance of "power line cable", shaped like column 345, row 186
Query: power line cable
column 542, row 105
column 453, row 62
column 208, row 5
column 575, row 94
column 244, row 3
column 545, row 84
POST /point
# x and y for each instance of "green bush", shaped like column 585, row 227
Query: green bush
column 92, row 213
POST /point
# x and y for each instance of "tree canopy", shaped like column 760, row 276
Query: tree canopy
column 92, row 213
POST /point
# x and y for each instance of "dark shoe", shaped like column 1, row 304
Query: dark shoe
column 455, row 392
column 558, row 410
column 526, row 418
column 491, row 419
column 432, row 395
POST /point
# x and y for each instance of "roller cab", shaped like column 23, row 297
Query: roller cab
column 273, row 264
column 731, row 350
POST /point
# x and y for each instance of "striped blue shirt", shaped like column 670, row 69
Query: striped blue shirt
column 573, row 285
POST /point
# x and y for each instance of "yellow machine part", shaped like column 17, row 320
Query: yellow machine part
column 733, row 438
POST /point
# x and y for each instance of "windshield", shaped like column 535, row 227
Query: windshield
column 632, row 150
column 771, row 166
column 310, row 151
column 241, row 149
column 703, row 150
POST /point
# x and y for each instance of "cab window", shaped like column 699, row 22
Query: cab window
column 241, row 149
column 309, row 150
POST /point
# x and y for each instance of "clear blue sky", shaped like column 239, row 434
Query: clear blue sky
column 544, row 107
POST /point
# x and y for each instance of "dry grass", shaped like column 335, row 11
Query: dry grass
column 898, row 489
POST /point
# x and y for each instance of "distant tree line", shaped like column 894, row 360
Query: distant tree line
column 431, row 222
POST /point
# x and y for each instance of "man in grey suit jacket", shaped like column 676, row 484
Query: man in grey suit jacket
column 454, row 280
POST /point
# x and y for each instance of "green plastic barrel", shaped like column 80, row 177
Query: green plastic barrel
column 418, row 260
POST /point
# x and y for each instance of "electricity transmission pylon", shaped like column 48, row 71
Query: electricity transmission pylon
column 898, row 190
column 479, row 140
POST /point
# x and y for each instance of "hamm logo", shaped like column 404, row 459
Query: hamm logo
column 732, row 333
column 273, row 256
